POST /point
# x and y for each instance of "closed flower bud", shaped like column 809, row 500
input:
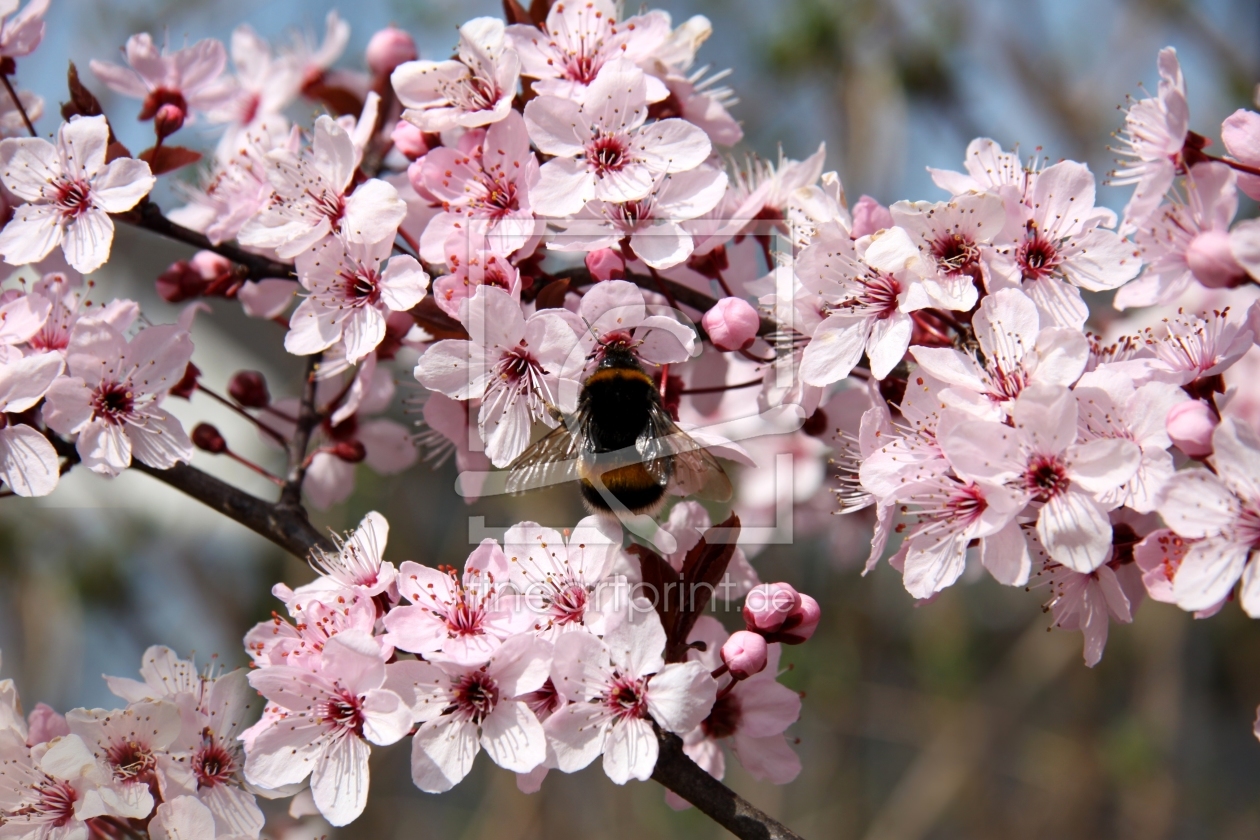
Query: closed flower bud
column 870, row 216
column 207, row 438
column 732, row 324
column 767, row 606
column 1190, row 425
column 409, row 140
column 388, row 48
column 350, row 451
column 800, row 624
column 188, row 383
column 744, row 654
column 606, row 264
column 1212, row 262
column 168, row 120
column 249, row 388
column 180, row 282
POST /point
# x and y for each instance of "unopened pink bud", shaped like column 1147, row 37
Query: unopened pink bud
column 732, row 324
column 168, row 120
column 1190, row 425
column 351, row 451
column 744, row 654
column 409, row 140
column 210, row 265
column 606, row 264
column 870, row 216
column 1212, row 261
column 800, row 624
column 767, row 606
column 45, row 723
column 388, row 48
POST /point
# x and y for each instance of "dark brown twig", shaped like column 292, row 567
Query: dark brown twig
column 149, row 216
column 17, row 103
column 308, row 418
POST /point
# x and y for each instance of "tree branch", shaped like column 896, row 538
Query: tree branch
column 676, row 771
column 149, row 217
column 308, row 418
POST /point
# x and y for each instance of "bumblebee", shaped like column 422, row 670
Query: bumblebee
column 621, row 446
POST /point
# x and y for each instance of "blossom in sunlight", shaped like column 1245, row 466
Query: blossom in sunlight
column 70, row 191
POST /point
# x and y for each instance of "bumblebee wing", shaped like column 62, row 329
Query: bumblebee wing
column 673, row 457
column 553, row 459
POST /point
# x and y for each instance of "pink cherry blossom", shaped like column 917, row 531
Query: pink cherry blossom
column 1221, row 512
column 449, row 432
column 988, row 169
column 452, row 618
column 1152, row 139
column 472, row 90
column 567, row 52
column 1190, row 425
column 464, row 708
column 566, row 583
column 111, row 396
column 70, row 192
column 472, row 264
column 127, row 742
column 1041, row 461
column 652, row 224
column 358, row 562
column 484, row 187
column 28, row 463
column 601, row 147
column 21, row 32
column 616, row 688
column 1187, row 347
column 1090, row 602
column 321, row 725
column 1241, row 135
column 318, row 615
column 512, row 364
column 265, row 84
column 310, row 199
column 187, row 79
column 353, row 287
column 869, row 216
column 954, row 235
column 615, row 312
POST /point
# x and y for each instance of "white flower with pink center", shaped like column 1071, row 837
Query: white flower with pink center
column 460, row 619
column 565, row 55
column 1188, row 239
column 615, row 313
column 1016, row 350
column 68, row 307
column 484, row 186
column 357, row 564
column 463, row 709
column 1221, row 512
column 601, row 147
column 750, row 716
column 865, row 303
column 652, row 224
column 617, row 687
column 1187, row 347
column 954, row 235
column 472, row 264
column 317, row 617
column 475, row 88
column 21, row 32
column 129, row 742
column 1041, row 461
column 512, row 364
column 182, row 81
column 263, row 86
column 48, row 791
column 112, row 393
column 1152, row 140
column 353, row 287
column 1090, row 602
column 70, row 192
column 321, row 725
column 566, row 582
column 28, row 463
column 1063, row 247
column 310, row 199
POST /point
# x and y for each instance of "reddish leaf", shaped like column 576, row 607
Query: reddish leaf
column 515, row 13
column 82, row 102
column 703, row 568
column 552, row 294
column 538, row 10
column 338, row 99
column 660, row 583
column 116, row 150
column 436, row 322
column 163, row 159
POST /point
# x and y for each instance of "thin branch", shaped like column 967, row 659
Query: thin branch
column 149, row 216
column 676, row 771
column 17, row 103
column 308, row 418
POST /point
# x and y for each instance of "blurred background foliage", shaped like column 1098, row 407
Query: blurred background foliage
column 958, row 718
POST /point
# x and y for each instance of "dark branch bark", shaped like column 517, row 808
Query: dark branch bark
column 308, row 418
column 149, row 216
column 676, row 771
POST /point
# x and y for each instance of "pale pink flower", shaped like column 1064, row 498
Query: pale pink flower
column 448, row 432
column 566, row 583
column 1159, row 556
column 1089, row 602
column 1241, row 135
column 1019, row 348
column 317, row 617
column 314, row 58
column 353, row 289
column 651, row 224
column 512, row 364
column 310, row 199
column 615, row 313
column 749, row 716
column 322, row 724
column 1041, row 460
column 1189, row 347
column 70, row 192
column 128, row 743
column 988, row 169
column 687, row 523
column 701, row 102
column 601, row 147
column 1152, row 139
column 187, row 79
column 1063, row 247
column 357, row 564
column 111, row 396
column 69, row 306
column 617, row 687
column 1187, row 240
column 453, row 618
column 21, row 32
column 11, row 122
column 28, row 463
column 474, row 89
column 464, row 708
column 1221, row 512
column 565, row 55
column 954, row 235
column 264, row 86
column 472, row 264
column 22, row 320
column 483, row 185
column 771, row 187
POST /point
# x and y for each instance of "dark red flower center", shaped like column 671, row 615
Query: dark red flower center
column 113, row 403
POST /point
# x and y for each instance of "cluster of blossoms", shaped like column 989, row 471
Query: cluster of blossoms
column 493, row 223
